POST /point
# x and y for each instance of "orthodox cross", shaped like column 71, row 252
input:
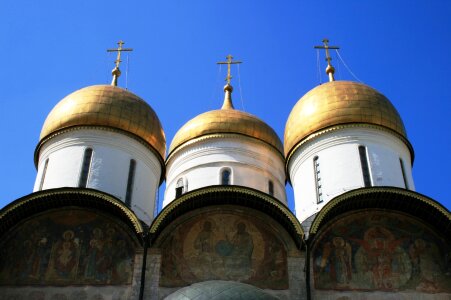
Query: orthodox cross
column 329, row 70
column 116, row 72
column 119, row 50
column 228, row 63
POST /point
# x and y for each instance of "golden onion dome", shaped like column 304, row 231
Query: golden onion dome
column 226, row 120
column 338, row 103
column 108, row 107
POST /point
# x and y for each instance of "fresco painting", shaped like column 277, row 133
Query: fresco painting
column 67, row 247
column 224, row 246
column 381, row 251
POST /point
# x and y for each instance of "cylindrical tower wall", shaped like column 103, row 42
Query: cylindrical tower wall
column 251, row 163
column 119, row 165
column 333, row 163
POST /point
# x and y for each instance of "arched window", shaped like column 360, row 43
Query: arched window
column 365, row 166
column 130, row 181
column 225, row 176
column 85, row 168
column 318, row 182
column 406, row 185
column 41, row 184
column 179, row 188
column 270, row 188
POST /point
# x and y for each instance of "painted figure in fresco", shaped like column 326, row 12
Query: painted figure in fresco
column 425, row 265
column 23, row 266
column 271, row 272
column 239, row 263
column 106, row 265
column 122, row 269
column 41, row 252
column 337, row 255
column 95, row 255
column 203, row 241
column 66, row 247
column 23, row 250
column 204, row 247
column 175, row 270
column 381, row 253
column 65, row 255
column 64, row 258
column 275, row 260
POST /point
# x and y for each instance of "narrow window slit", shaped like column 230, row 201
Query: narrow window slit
column 130, row 181
column 85, row 168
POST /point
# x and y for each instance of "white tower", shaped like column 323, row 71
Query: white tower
column 225, row 147
column 105, row 138
column 341, row 136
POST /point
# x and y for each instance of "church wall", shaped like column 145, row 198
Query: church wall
column 152, row 282
column 340, row 166
column 70, row 253
column 252, row 163
column 374, row 254
column 228, row 243
column 109, row 168
column 386, row 167
column 296, row 277
column 60, row 174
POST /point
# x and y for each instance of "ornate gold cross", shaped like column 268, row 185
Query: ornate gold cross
column 228, row 63
column 327, row 47
column 329, row 70
column 119, row 50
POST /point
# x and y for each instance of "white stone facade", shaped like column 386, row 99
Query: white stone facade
column 340, row 168
column 109, row 168
column 252, row 163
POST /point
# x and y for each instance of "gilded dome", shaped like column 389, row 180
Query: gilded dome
column 107, row 106
column 226, row 120
column 338, row 103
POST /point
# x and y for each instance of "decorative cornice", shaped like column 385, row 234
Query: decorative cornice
column 105, row 128
column 219, row 135
column 318, row 221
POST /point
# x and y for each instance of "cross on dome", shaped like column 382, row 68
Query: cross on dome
column 116, row 72
column 229, row 62
column 330, row 70
column 228, row 89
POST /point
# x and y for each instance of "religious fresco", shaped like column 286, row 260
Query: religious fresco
column 67, row 247
column 381, row 251
column 224, row 246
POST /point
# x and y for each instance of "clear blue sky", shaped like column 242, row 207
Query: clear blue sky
column 52, row 48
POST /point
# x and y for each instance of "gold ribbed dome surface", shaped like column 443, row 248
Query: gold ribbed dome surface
column 226, row 120
column 339, row 102
column 107, row 106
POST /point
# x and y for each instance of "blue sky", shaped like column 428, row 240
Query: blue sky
column 52, row 48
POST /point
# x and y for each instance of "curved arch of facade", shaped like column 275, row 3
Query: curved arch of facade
column 229, row 195
column 45, row 200
column 392, row 198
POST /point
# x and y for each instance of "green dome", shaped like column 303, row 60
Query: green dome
column 220, row 290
